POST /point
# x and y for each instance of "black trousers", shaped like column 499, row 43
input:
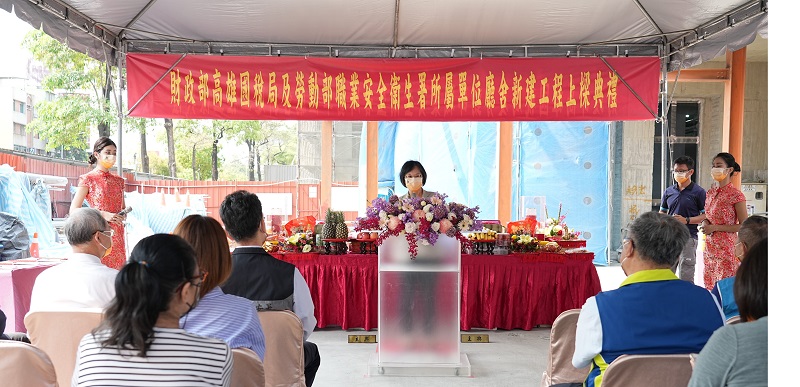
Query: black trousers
column 311, row 357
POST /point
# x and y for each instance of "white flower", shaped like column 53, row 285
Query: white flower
column 429, row 216
column 422, row 203
column 425, row 242
column 306, row 248
column 382, row 215
column 436, row 200
column 464, row 225
column 466, row 217
column 451, row 216
column 427, row 208
column 435, row 226
column 411, row 227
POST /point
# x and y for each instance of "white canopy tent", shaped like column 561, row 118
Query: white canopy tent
column 683, row 33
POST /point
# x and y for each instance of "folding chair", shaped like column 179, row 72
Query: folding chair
column 648, row 371
column 562, row 347
column 284, row 361
column 58, row 335
column 25, row 365
column 248, row 370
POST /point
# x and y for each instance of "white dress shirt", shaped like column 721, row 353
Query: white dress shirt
column 303, row 304
column 81, row 282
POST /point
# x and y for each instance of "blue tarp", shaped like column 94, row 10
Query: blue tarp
column 565, row 163
column 16, row 198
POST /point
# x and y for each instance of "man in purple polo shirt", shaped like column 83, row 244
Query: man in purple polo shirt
column 685, row 201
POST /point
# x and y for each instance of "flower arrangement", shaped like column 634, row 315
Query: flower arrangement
column 556, row 228
column 523, row 242
column 421, row 220
column 299, row 242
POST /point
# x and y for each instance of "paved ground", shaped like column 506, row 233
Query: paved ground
column 511, row 358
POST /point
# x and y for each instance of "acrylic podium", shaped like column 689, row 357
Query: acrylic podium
column 418, row 310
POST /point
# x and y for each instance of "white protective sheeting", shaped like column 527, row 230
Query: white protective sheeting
column 690, row 31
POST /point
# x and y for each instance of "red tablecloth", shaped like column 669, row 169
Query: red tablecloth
column 497, row 291
column 16, row 284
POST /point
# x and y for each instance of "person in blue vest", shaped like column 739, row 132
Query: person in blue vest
column 653, row 311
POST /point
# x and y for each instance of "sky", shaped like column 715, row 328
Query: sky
column 12, row 29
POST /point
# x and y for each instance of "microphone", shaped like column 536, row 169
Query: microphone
column 125, row 211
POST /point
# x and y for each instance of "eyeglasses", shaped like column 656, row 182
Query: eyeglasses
column 628, row 240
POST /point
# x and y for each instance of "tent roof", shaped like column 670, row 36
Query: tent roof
column 686, row 32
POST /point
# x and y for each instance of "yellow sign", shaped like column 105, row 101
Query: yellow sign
column 474, row 338
column 372, row 339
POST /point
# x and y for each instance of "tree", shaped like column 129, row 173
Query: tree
column 140, row 125
column 84, row 86
column 279, row 143
column 194, row 149
column 218, row 129
column 248, row 132
column 168, row 127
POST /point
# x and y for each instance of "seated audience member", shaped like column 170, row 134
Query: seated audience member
column 219, row 315
column 140, row 342
column 753, row 230
column 653, row 311
column 736, row 354
column 269, row 282
column 81, row 282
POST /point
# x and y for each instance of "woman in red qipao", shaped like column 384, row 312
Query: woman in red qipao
column 104, row 192
column 726, row 209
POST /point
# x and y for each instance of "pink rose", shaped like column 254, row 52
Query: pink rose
column 445, row 225
column 393, row 223
column 419, row 214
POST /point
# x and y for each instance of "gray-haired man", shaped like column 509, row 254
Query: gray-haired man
column 82, row 282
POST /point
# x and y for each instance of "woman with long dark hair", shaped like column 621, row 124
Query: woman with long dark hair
column 105, row 192
column 140, row 342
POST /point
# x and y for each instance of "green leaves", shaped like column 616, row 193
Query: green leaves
column 77, row 81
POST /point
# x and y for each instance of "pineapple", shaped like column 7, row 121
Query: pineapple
column 341, row 227
column 329, row 228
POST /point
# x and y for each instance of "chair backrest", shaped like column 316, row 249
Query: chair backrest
column 58, row 334
column 283, row 362
column 562, row 347
column 648, row 370
column 734, row 320
column 248, row 370
column 25, row 365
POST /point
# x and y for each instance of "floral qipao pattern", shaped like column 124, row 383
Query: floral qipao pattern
column 719, row 258
column 106, row 192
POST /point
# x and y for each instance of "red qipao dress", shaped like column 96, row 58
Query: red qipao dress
column 106, row 194
column 719, row 257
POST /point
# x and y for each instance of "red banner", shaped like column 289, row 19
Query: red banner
column 351, row 89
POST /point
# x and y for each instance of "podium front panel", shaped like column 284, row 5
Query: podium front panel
column 418, row 303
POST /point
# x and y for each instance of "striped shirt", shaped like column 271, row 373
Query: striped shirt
column 175, row 358
column 229, row 318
